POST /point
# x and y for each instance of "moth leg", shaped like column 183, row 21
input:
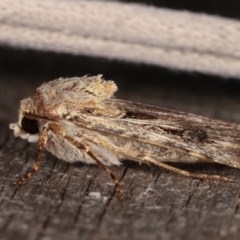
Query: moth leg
column 99, row 163
column 109, row 173
column 189, row 174
column 41, row 145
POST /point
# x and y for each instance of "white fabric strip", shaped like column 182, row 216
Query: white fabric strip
column 132, row 32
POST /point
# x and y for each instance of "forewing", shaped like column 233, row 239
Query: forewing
column 153, row 127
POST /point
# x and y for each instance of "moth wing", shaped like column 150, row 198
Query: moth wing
column 177, row 134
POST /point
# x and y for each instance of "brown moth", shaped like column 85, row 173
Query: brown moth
column 78, row 119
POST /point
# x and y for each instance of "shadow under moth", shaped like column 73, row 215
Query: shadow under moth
column 78, row 119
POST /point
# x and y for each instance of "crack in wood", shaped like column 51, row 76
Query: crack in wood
column 79, row 209
column 56, row 210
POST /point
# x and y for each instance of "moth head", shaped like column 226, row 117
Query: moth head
column 26, row 127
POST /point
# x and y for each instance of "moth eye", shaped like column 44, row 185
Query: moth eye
column 29, row 125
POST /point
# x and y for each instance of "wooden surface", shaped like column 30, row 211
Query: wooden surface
column 64, row 201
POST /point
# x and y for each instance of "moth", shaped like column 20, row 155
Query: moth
column 79, row 119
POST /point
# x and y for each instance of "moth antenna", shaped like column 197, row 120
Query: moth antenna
column 187, row 173
column 41, row 145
